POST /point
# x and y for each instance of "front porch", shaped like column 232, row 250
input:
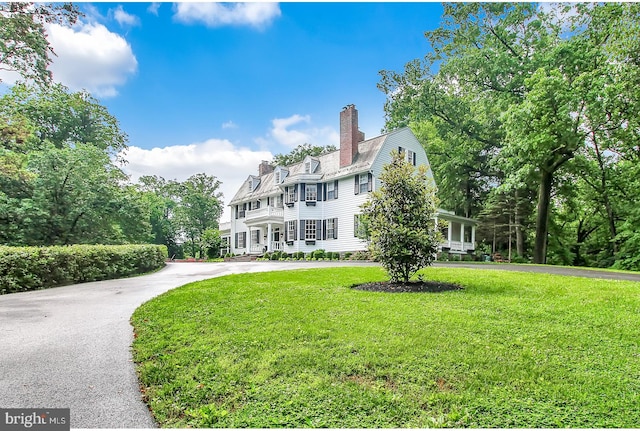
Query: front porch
column 459, row 233
column 266, row 230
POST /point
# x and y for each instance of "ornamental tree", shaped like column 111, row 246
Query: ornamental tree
column 401, row 219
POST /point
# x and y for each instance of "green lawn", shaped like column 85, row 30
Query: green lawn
column 302, row 349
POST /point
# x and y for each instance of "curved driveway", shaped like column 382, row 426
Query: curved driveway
column 69, row 347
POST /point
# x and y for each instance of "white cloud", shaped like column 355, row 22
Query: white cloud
column 91, row 57
column 153, row 8
column 231, row 165
column 125, row 18
column 282, row 133
column 229, row 125
column 220, row 14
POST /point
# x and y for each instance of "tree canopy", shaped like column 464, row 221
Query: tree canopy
column 521, row 97
column 300, row 152
column 24, row 47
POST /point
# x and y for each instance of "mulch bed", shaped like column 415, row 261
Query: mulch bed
column 412, row 286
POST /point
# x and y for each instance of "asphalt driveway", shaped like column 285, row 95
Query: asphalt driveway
column 69, row 347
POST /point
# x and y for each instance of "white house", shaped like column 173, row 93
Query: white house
column 315, row 204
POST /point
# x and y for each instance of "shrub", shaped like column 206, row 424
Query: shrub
column 399, row 216
column 319, row 254
column 32, row 268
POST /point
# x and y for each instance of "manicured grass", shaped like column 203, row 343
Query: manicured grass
column 302, row 349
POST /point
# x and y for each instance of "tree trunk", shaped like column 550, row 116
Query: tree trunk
column 542, row 221
column 518, row 223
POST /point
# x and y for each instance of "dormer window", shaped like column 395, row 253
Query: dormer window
column 254, row 182
column 279, row 174
column 310, row 165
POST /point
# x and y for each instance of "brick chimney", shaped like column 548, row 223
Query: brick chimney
column 349, row 135
column 264, row 168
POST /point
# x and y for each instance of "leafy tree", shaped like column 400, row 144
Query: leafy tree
column 161, row 198
column 523, row 87
column 76, row 198
column 57, row 116
column 199, row 209
column 400, row 217
column 300, row 152
column 23, row 40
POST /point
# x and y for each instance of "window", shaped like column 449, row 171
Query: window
column 278, row 203
column 331, row 228
column 311, row 193
column 364, row 183
column 255, row 237
column 358, row 227
column 276, row 177
column 332, row 190
column 291, row 231
column 307, row 168
column 408, row 155
column 290, row 195
column 310, row 229
column 411, row 157
column 255, row 205
column 241, row 239
column 241, row 210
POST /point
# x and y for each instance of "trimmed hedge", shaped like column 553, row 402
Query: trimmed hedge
column 32, row 268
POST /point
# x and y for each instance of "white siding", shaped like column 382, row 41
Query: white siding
column 401, row 138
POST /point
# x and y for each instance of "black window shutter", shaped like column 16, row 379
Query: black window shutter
column 319, row 192
column 357, row 189
column 286, row 231
column 237, row 210
column 335, row 189
column 335, row 228
column 324, row 229
column 318, row 229
column 370, row 182
column 302, row 223
column 414, row 159
column 236, row 246
column 302, row 192
column 295, row 230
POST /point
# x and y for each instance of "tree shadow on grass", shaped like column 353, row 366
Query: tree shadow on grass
column 411, row 286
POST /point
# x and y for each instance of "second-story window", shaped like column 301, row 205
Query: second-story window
column 311, row 193
column 364, row 184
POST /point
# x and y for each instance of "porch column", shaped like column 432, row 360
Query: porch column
column 462, row 235
column 269, row 238
column 449, row 232
column 473, row 235
column 248, row 244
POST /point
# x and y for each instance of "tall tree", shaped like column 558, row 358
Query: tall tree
column 62, row 118
column 527, row 82
column 199, row 210
column 24, row 47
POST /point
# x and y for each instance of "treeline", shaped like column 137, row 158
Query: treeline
column 61, row 155
column 61, row 180
column 530, row 116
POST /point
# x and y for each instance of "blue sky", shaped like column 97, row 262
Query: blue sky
column 216, row 88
